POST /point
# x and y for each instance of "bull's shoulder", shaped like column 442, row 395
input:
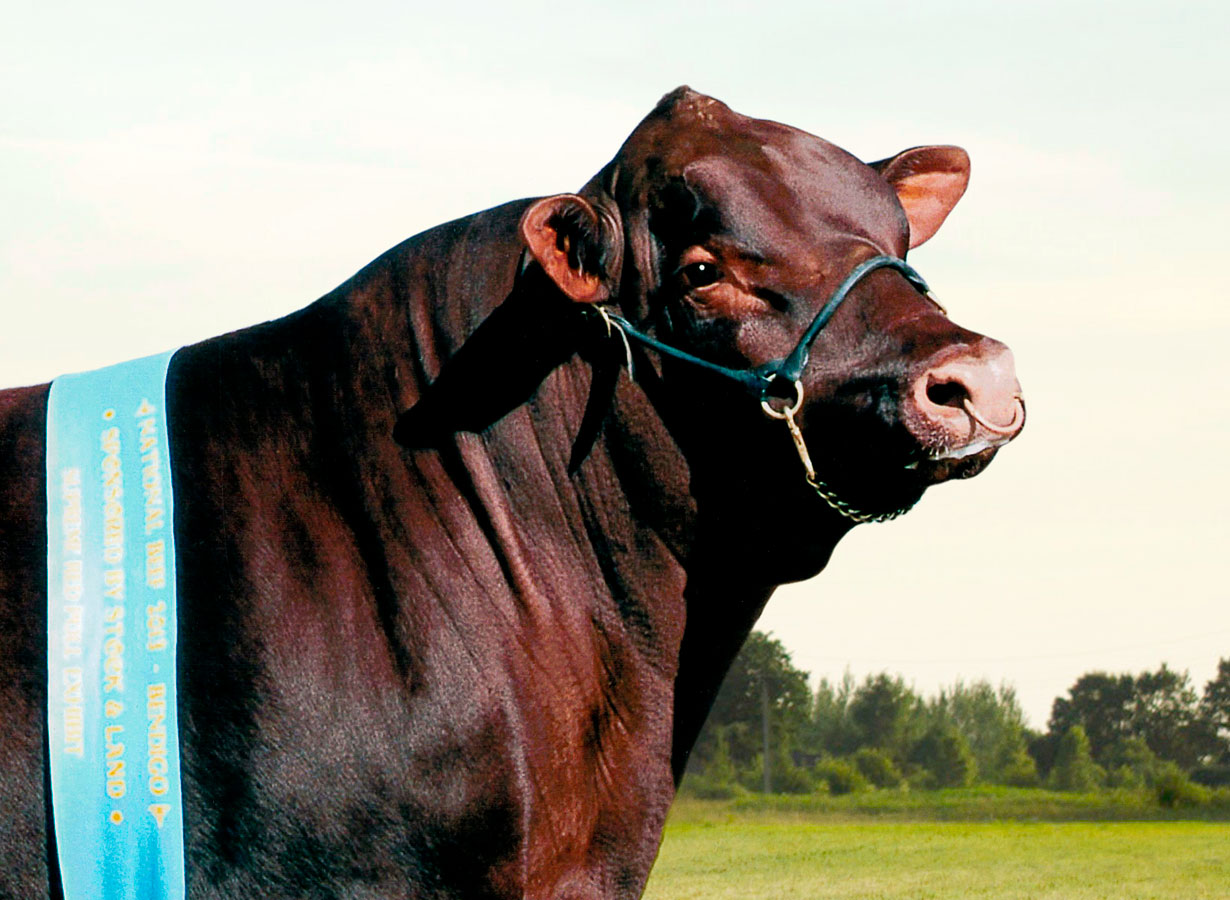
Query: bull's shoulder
column 23, row 513
column 23, row 609
column 23, row 421
column 22, row 410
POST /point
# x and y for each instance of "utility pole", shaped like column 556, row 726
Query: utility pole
column 764, row 711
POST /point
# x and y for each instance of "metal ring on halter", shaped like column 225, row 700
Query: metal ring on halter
column 789, row 411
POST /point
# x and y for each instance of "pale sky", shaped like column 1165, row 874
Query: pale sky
column 169, row 174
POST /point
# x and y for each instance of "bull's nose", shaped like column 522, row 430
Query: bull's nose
column 970, row 401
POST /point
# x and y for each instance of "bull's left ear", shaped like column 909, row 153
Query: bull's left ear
column 579, row 245
column 929, row 181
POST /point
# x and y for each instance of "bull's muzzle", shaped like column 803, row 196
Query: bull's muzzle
column 967, row 403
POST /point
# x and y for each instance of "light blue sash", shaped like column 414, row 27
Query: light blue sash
column 114, row 738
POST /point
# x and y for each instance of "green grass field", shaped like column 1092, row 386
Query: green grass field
column 717, row 850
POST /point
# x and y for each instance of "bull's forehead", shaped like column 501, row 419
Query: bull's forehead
column 791, row 197
column 771, row 189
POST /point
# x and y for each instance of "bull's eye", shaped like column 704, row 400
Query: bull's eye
column 699, row 274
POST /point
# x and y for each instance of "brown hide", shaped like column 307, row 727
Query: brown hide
column 450, row 664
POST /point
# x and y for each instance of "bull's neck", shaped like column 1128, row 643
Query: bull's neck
column 491, row 368
column 621, row 543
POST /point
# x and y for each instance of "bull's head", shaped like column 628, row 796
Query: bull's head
column 723, row 237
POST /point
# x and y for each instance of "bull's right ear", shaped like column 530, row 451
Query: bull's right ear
column 579, row 245
column 929, row 181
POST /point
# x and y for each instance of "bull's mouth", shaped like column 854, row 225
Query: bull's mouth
column 963, row 462
column 971, row 449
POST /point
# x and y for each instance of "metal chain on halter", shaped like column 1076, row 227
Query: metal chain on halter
column 827, row 494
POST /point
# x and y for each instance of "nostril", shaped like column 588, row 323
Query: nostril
column 947, row 393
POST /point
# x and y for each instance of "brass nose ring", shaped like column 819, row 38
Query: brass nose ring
column 1018, row 416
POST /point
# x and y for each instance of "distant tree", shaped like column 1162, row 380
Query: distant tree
column 1164, row 712
column 1074, row 768
column 1215, row 711
column 1101, row 705
column 993, row 724
column 1159, row 707
column 831, row 730
column 944, row 753
column 1042, row 749
column 721, row 768
column 762, row 664
column 887, row 715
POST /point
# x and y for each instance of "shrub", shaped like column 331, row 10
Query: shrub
column 841, row 777
column 1020, row 770
column 784, row 776
column 1124, row 777
column 944, row 753
column 721, row 767
column 1174, row 789
column 707, row 787
column 1074, row 768
column 877, row 767
column 791, row 779
column 918, row 778
column 1133, row 755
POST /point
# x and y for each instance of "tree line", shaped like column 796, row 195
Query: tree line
column 768, row 731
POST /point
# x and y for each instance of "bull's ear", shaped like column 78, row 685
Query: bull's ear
column 929, row 181
column 577, row 243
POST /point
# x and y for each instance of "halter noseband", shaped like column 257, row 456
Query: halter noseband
column 762, row 381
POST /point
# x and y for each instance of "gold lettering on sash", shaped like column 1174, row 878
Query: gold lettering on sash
column 113, row 649
column 74, row 714
column 156, row 564
column 113, row 497
column 156, row 626
column 72, row 573
column 151, row 471
column 156, row 739
column 74, row 624
column 116, row 783
column 113, row 584
column 70, row 495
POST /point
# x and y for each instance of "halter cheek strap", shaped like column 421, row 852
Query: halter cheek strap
column 763, row 381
